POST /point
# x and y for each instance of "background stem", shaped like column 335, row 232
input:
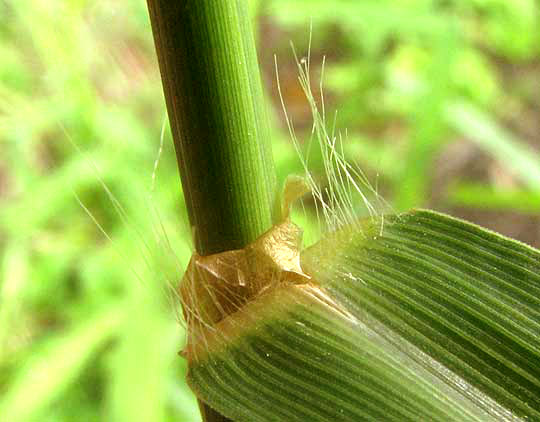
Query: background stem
column 212, row 86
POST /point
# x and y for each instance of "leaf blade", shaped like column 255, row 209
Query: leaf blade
column 423, row 318
column 464, row 295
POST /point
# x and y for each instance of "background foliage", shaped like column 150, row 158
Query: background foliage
column 441, row 103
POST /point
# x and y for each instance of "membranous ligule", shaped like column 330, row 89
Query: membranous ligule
column 219, row 285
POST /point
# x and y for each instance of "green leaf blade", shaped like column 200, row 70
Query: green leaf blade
column 299, row 359
column 412, row 317
column 465, row 296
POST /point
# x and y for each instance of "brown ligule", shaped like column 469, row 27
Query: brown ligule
column 218, row 285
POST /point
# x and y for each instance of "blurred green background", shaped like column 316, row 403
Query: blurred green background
column 442, row 108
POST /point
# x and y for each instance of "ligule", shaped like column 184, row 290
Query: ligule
column 217, row 286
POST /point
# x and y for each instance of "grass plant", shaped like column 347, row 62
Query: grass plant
column 78, row 313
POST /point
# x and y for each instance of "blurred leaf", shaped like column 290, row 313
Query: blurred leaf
column 51, row 369
column 142, row 365
column 486, row 133
column 366, row 24
column 427, row 125
column 509, row 27
column 380, row 155
column 14, row 276
column 53, row 195
column 485, row 197
column 475, row 77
